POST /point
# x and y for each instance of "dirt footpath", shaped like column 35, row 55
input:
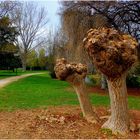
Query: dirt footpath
column 7, row 81
column 56, row 123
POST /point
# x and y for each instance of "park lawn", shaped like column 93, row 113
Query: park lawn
column 40, row 91
column 10, row 73
column 7, row 73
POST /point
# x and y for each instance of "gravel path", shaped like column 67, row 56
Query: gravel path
column 7, row 81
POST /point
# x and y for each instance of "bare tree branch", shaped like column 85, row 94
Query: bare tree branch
column 30, row 21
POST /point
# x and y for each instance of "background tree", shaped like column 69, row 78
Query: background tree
column 32, row 59
column 75, row 22
column 55, row 48
column 8, row 34
column 42, row 59
column 9, row 61
column 122, row 15
column 30, row 21
column 6, row 7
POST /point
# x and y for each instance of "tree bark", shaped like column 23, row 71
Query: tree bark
column 30, row 68
column 86, row 106
column 119, row 119
column 23, row 60
column 75, row 75
column 23, row 65
column 103, row 82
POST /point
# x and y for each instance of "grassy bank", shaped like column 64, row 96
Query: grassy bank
column 42, row 91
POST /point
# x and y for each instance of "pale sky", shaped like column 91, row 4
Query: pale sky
column 52, row 9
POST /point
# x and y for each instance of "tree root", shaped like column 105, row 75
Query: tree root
column 116, row 127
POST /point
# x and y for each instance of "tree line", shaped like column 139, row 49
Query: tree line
column 28, row 23
column 21, row 27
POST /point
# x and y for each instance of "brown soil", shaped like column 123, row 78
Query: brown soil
column 55, row 123
column 97, row 89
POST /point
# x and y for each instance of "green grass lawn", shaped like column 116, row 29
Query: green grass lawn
column 10, row 73
column 42, row 91
column 7, row 73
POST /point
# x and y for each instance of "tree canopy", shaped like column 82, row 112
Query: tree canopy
column 8, row 33
column 122, row 15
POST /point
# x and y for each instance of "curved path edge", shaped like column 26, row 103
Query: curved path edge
column 4, row 82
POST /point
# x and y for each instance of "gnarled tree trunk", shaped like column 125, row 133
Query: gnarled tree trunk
column 119, row 119
column 113, row 53
column 75, row 74
column 86, row 106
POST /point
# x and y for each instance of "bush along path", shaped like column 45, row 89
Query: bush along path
column 9, row 80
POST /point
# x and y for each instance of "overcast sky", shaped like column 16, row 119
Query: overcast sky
column 52, row 9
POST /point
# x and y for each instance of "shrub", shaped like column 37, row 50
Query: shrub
column 90, row 81
column 52, row 74
column 132, row 81
column 137, row 69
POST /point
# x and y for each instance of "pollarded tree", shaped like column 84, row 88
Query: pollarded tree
column 75, row 75
column 113, row 53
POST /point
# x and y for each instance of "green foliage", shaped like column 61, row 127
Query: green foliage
column 95, row 78
column 91, row 81
column 42, row 60
column 52, row 74
column 132, row 81
column 42, row 91
column 9, row 61
column 36, row 61
column 137, row 69
column 8, row 33
column 32, row 59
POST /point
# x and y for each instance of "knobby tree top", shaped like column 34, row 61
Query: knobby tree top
column 112, row 52
column 64, row 69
